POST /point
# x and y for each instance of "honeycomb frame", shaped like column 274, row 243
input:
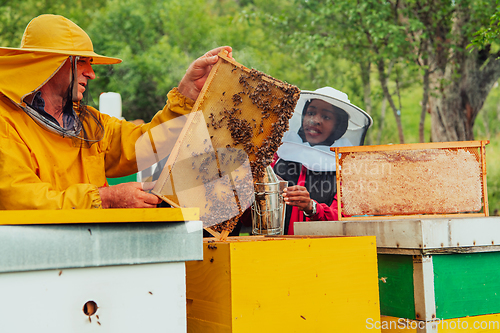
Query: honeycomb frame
column 425, row 170
column 238, row 110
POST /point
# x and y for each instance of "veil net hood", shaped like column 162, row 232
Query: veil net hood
column 48, row 41
column 351, row 131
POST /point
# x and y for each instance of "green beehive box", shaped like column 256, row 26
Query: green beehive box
column 430, row 269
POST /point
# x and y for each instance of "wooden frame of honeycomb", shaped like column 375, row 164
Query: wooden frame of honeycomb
column 407, row 181
column 230, row 136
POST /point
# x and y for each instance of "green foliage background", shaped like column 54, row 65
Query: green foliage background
column 287, row 39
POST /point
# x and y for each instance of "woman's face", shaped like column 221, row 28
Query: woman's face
column 319, row 121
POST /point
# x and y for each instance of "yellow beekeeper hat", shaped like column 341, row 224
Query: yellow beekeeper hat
column 55, row 34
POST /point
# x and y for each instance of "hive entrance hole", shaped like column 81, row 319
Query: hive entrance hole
column 90, row 308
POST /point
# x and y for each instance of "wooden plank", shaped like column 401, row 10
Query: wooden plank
column 425, row 234
column 395, row 273
column 413, row 146
column 284, row 284
column 339, row 188
column 195, row 325
column 467, row 284
column 130, row 299
column 485, row 190
column 223, row 235
column 483, row 231
column 410, row 217
column 463, row 249
column 447, row 250
column 112, row 215
column 423, row 288
column 304, row 285
column 213, row 233
column 330, row 228
column 400, row 251
column 208, row 285
column 170, row 202
column 164, row 175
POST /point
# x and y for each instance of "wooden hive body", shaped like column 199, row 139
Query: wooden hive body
column 435, row 275
column 283, row 284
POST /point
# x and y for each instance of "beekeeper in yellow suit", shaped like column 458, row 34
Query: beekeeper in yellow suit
column 56, row 152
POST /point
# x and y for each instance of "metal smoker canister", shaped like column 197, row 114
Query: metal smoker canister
column 268, row 208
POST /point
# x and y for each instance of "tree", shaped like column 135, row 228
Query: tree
column 456, row 82
column 15, row 15
column 157, row 40
column 367, row 33
column 459, row 80
column 433, row 34
column 488, row 35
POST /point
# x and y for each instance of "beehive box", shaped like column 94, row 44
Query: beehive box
column 440, row 292
column 229, row 138
column 439, row 286
column 447, row 178
column 111, row 270
column 433, row 273
column 284, row 284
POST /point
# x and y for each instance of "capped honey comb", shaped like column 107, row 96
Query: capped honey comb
column 231, row 135
column 419, row 179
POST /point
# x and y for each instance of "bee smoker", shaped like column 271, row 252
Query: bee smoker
column 268, row 208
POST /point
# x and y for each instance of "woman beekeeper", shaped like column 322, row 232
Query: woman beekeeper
column 322, row 119
column 56, row 152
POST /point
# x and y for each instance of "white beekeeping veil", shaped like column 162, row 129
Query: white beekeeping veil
column 350, row 131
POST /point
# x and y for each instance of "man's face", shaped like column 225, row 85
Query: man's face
column 62, row 79
column 85, row 73
column 319, row 121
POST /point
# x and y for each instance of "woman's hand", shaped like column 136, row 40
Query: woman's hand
column 298, row 196
column 197, row 73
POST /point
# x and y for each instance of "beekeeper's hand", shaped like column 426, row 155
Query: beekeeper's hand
column 197, row 73
column 127, row 195
column 298, row 196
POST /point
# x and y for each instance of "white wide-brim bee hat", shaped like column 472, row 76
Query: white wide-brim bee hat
column 351, row 131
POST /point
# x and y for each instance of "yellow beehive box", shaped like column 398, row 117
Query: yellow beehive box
column 284, row 284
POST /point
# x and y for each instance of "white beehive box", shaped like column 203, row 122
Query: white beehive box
column 133, row 273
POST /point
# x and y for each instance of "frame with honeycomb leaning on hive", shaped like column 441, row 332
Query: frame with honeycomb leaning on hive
column 230, row 136
column 407, row 181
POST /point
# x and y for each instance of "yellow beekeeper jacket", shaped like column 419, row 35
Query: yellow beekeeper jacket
column 42, row 170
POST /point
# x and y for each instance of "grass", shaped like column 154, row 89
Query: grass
column 487, row 127
column 493, row 175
